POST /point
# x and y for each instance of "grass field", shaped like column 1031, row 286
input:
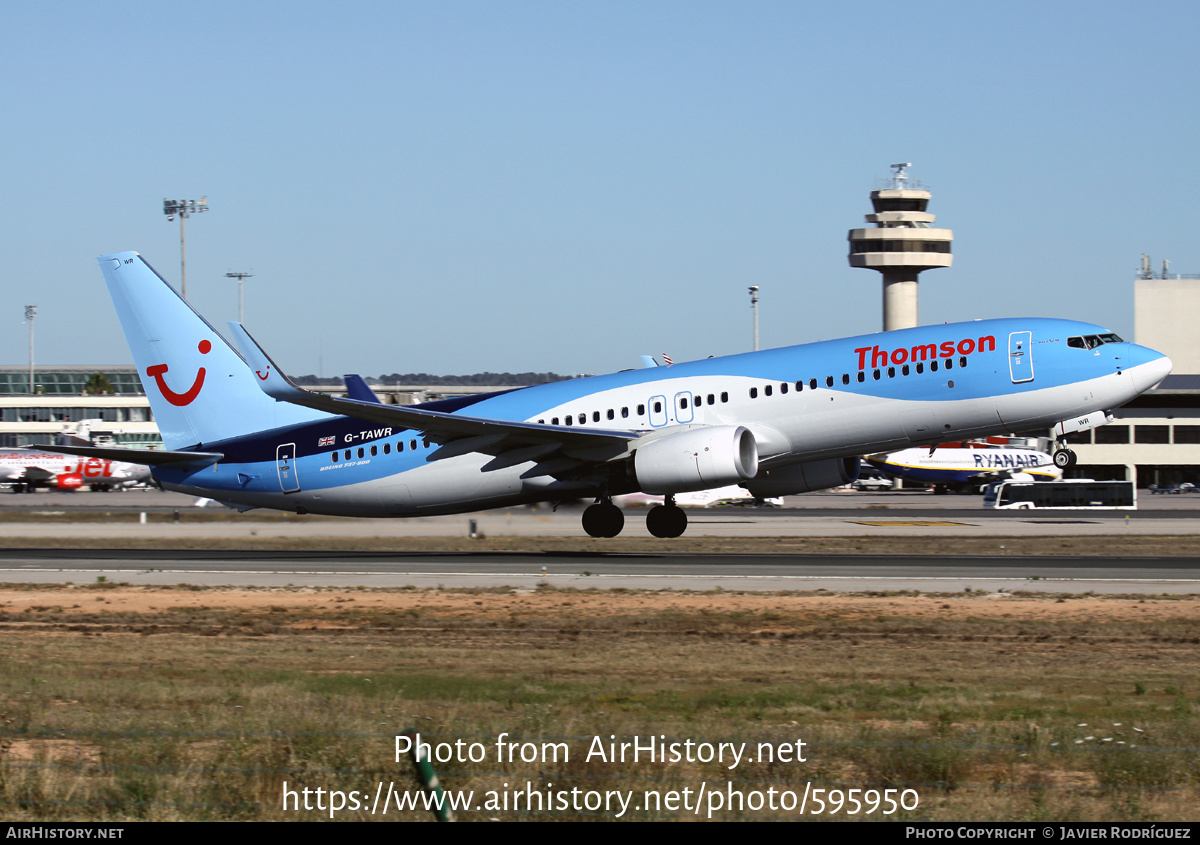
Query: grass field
column 183, row 703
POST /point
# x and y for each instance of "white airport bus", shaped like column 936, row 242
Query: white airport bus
column 1072, row 494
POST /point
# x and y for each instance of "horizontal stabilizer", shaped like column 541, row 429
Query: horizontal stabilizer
column 145, row 457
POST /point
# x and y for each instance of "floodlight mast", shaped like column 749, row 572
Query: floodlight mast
column 185, row 209
column 754, row 308
column 239, row 277
column 30, row 313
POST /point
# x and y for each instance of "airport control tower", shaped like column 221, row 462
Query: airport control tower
column 902, row 244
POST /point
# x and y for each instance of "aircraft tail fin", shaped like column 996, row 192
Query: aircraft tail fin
column 199, row 387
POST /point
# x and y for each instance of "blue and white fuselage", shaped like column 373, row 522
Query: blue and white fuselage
column 777, row 421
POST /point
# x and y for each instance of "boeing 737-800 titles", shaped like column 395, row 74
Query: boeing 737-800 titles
column 777, row 422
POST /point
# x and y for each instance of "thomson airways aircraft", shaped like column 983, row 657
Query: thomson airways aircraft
column 776, row 422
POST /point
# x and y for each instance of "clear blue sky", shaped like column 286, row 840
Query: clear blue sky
column 455, row 187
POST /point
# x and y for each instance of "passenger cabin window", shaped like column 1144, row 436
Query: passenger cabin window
column 724, row 396
column 767, row 390
column 641, row 410
column 783, row 388
column 658, row 407
column 596, row 416
column 829, row 381
column 813, row 384
column 754, row 393
column 624, row 412
column 861, row 376
column 611, row 415
column 846, row 378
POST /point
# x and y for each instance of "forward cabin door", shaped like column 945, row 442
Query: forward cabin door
column 1020, row 358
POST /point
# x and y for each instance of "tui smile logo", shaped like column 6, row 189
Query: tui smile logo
column 185, row 398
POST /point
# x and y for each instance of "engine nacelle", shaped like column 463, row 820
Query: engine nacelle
column 803, row 478
column 699, row 459
column 68, row 481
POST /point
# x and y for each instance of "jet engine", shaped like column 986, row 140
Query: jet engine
column 699, row 459
column 803, row 478
column 68, row 481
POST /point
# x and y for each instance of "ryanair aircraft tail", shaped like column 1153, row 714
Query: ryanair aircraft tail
column 200, row 389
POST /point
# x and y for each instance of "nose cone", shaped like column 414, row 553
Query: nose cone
column 1150, row 372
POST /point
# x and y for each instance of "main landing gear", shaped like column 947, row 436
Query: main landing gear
column 666, row 520
column 604, row 519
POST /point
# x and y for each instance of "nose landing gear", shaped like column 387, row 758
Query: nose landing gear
column 1064, row 458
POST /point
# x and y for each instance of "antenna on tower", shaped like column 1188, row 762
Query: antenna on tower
column 1144, row 271
column 899, row 176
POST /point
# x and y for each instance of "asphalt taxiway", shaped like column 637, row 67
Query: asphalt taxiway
column 820, row 515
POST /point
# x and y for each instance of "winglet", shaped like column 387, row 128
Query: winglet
column 358, row 389
column 271, row 380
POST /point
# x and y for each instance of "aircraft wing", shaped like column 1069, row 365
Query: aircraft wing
column 513, row 442
column 145, row 457
column 36, row 475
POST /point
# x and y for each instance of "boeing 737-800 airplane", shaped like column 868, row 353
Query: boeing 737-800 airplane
column 777, row 422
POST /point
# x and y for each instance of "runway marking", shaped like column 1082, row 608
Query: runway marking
column 914, row 523
column 564, row 575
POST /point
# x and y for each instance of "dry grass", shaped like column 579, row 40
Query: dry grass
column 1121, row 545
column 129, row 703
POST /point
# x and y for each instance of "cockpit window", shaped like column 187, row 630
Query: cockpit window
column 1091, row 341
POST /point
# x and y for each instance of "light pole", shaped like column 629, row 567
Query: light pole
column 754, row 308
column 30, row 313
column 239, row 277
column 184, row 208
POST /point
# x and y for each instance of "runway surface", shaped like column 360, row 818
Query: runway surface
column 1066, row 574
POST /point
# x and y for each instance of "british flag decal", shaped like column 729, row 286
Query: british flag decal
column 326, row 441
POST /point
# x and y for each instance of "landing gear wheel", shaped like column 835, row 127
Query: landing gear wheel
column 1064, row 458
column 666, row 521
column 603, row 520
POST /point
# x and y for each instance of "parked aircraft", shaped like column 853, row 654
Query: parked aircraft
column 777, row 422
column 965, row 467
column 28, row 469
